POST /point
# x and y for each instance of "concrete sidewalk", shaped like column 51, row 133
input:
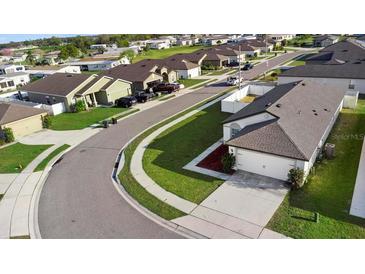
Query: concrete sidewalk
column 15, row 205
column 358, row 198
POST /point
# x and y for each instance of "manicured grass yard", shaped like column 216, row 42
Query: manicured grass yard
column 220, row 72
column 191, row 82
column 169, row 152
column 53, row 154
column 80, row 120
column 328, row 191
column 14, row 156
column 164, row 53
column 134, row 189
column 296, row 63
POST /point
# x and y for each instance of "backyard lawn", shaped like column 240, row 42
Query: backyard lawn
column 165, row 157
column 329, row 190
column 164, row 53
column 191, row 82
column 14, row 158
column 80, row 120
column 296, row 63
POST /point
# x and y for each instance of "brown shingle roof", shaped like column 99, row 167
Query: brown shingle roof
column 13, row 112
column 303, row 114
column 137, row 72
column 60, row 84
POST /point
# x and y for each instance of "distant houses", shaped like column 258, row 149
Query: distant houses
column 12, row 76
column 324, row 40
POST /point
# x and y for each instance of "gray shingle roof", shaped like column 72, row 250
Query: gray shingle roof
column 302, row 114
column 60, row 84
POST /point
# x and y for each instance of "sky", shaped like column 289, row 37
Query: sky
column 6, row 38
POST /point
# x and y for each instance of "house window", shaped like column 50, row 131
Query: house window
column 11, row 83
column 3, row 85
column 234, row 132
column 351, row 86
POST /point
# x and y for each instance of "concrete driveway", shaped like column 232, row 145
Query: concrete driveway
column 249, row 197
column 240, row 208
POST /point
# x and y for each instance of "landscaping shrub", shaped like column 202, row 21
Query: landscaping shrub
column 47, row 121
column 8, row 135
column 209, row 67
column 2, row 142
column 228, row 161
column 296, row 177
column 79, row 106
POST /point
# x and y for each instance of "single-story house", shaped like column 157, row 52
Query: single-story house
column 23, row 120
column 67, row 88
column 341, row 64
column 280, row 37
column 184, row 42
column 283, row 129
column 215, row 40
column 213, row 58
column 159, row 43
column 10, row 68
column 324, row 40
column 233, row 54
column 94, row 64
column 260, row 44
column 43, row 71
column 143, row 74
column 11, row 81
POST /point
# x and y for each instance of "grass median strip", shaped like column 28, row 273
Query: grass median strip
column 140, row 194
column 41, row 166
column 14, row 158
column 204, row 84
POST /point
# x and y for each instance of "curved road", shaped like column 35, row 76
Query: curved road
column 79, row 200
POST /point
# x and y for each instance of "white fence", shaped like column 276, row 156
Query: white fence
column 51, row 109
column 350, row 99
column 233, row 103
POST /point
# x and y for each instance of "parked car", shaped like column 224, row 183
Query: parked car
column 143, row 97
column 126, row 102
column 247, row 66
column 166, row 88
column 233, row 80
column 233, row 64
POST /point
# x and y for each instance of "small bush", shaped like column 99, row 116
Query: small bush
column 47, row 121
column 79, row 106
column 2, row 142
column 8, row 135
column 228, row 161
column 296, row 177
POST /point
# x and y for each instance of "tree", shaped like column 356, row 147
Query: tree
column 30, row 58
column 101, row 50
column 130, row 54
column 122, row 43
column 69, row 51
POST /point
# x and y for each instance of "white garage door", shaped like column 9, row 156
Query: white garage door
column 264, row 164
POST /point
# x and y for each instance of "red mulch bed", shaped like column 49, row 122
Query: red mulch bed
column 213, row 160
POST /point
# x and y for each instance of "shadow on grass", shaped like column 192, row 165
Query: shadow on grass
column 330, row 188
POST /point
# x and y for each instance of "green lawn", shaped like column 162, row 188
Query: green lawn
column 269, row 76
column 14, row 158
column 296, row 63
column 329, row 190
column 191, row 82
column 53, row 154
column 165, row 157
column 135, row 189
column 164, row 53
column 204, row 84
column 80, row 120
column 220, row 72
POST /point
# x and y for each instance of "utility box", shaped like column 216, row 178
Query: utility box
column 329, row 150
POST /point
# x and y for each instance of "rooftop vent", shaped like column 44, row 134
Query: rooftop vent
column 278, row 105
column 303, row 84
column 316, row 114
column 268, row 104
column 313, row 110
column 326, row 109
column 299, row 112
column 345, row 50
column 69, row 75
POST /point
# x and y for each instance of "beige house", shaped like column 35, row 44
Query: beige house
column 67, row 88
column 23, row 120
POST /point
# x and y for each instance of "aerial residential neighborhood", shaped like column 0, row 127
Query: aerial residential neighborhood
column 234, row 136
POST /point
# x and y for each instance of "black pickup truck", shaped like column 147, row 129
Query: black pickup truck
column 143, row 97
